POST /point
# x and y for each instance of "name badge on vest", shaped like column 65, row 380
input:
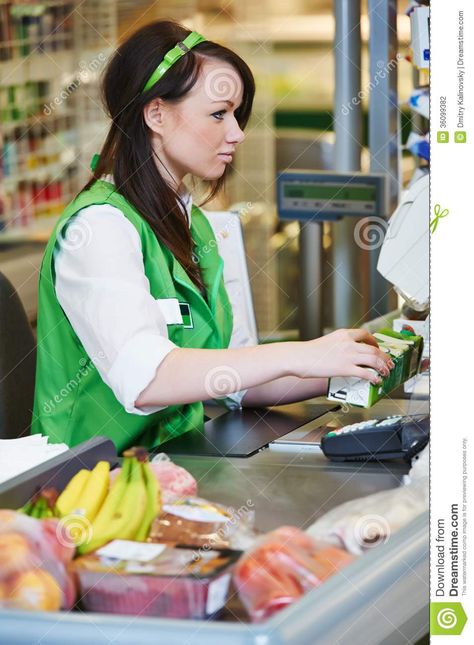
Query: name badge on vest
column 185, row 310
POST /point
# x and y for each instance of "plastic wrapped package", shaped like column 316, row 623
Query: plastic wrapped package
column 199, row 523
column 34, row 564
column 175, row 482
column 363, row 523
column 176, row 583
column 281, row 567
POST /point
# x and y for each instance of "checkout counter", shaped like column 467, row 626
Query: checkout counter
column 276, row 462
column 380, row 598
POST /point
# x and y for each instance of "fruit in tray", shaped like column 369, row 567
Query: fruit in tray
column 130, row 506
column 34, row 589
column 281, row 567
column 15, row 554
column 34, row 563
column 66, row 502
column 38, row 542
column 85, row 493
column 94, row 513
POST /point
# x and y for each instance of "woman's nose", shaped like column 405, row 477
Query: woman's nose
column 235, row 134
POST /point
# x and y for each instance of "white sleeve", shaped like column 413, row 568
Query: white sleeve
column 241, row 334
column 102, row 287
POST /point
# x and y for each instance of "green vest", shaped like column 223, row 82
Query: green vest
column 72, row 402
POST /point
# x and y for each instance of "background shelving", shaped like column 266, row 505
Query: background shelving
column 51, row 56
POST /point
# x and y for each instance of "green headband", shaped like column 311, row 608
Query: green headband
column 172, row 56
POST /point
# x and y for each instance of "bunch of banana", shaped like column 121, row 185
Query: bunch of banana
column 130, row 506
column 65, row 503
column 85, row 493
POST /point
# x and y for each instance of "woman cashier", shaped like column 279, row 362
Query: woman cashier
column 135, row 325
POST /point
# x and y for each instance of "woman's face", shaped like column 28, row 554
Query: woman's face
column 199, row 134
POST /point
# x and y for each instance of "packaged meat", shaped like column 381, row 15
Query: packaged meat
column 34, row 563
column 175, row 482
column 366, row 522
column 196, row 522
column 281, row 567
column 172, row 583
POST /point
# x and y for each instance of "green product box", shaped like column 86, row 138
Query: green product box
column 405, row 351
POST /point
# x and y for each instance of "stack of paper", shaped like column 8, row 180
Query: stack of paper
column 19, row 455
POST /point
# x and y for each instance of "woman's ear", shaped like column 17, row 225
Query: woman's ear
column 153, row 113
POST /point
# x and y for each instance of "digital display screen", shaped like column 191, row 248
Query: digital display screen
column 330, row 192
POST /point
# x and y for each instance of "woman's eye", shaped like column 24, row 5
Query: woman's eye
column 219, row 115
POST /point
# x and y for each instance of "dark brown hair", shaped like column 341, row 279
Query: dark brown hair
column 127, row 152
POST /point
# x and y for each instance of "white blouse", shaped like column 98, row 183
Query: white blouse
column 103, row 290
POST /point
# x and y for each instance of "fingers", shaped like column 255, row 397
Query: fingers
column 366, row 374
column 368, row 350
column 363, row 348
column 378, row 361
column 362, row 336
column 372, row 356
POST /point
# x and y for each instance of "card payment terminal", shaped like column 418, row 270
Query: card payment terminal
column 395, row 437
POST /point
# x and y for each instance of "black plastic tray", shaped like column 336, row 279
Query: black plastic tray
column 241, row 433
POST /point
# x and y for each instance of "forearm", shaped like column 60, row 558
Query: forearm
column 287, row 389
column 188, row 375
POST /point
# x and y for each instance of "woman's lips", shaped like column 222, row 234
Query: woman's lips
column 224, row 157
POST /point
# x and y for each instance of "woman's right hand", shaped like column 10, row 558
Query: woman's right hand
column 344, row 352
column 215, row 373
